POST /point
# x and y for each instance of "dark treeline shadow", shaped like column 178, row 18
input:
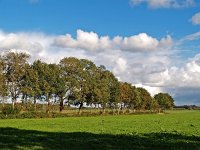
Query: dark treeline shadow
column 12, row 138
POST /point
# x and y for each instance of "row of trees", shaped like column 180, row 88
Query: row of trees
column 72, row 80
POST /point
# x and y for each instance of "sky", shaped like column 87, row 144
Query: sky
column 153, row 44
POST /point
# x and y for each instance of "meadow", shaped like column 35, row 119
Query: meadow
column 172, row 130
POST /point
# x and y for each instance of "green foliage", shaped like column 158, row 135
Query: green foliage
column 73, row 80
column 146, row 98
column 14, row 71
column 3, row 85
column 127, row 94
column 89, row 83
column 2, row 116
column 8, row 110
column 164, row 100
column 30, row 83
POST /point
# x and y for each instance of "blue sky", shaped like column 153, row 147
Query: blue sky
column 153, row 44
column 112, row 17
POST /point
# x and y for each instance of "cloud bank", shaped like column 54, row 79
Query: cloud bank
column 140, row 59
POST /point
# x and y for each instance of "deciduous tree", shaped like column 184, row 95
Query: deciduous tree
column 15, row 69
column 164, row 100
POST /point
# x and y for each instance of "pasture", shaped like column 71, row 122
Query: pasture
column 173, row 130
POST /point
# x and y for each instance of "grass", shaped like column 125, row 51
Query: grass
column 174, row 130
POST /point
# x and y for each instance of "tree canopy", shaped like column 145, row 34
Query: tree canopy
column 164, row 100
column 72, row 80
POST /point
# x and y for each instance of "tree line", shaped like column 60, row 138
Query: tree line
column 72, row 80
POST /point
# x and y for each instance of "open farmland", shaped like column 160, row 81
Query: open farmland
column 174, row 130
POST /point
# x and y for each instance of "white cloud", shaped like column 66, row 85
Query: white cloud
column 121, row 66
column 191, row 37
column 164, row 3
column 139, row 42
column 139, row 59
column 196, row 19
column 92, row 42
column 85, row 40
column 152, row 90
column 34, row 43
column 186, row 76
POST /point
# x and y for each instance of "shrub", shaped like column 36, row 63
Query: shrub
column 2, row 116
column 27, row 115
column 17, row 110
column 8, row 110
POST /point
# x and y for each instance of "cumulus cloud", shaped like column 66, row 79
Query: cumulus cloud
column 91, row 41
column 35, row 44
column 164, row 3
column 187, row 75
column 152, row 90
column 140, row 41
column 85, row 40
column 121, row 66
column 196, row 19
column 139, row 59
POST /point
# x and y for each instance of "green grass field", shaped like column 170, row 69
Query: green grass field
column 174, row 130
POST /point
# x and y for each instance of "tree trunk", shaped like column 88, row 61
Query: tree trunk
column 121, row 106
column 3, row 99
column 119, row 109
column 26, row 101
column 43, row 106
column 13, row 103
column 48, row 104
column 61, row 104
column 79, row 109
column 104, row 110
column 35, row 104
column 96, row 109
